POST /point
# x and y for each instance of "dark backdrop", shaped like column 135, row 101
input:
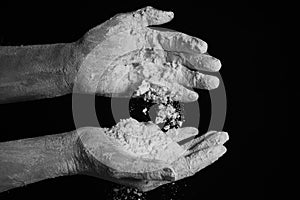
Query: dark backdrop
column 244, row 36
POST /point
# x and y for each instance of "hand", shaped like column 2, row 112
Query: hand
column 123, row 52
column 102, row 157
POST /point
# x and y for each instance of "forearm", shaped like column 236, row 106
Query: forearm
column 35, row 159
column 39, row 71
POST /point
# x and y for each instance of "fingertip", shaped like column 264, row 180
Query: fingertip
column 216, row 65
column 185, row 95
column 190, row 131
column 218, row 151
column 224, row 137
column 155, row 16
column 212, row 82
column 193, row 96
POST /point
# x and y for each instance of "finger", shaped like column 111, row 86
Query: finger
column 183, row 94
column 194, row 161
column 148, row 16
column 211, row 137
column 199, row 61
column 188, row 145
column 203, row 158
column 196, row 79
column 176, row 41
column 180, row 134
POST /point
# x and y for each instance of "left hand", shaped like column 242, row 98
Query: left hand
column 200, row 153
column 124, row 51
column 103, row 157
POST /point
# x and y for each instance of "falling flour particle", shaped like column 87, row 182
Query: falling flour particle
column 166, row 192
column 122, row 192
column 168, row 113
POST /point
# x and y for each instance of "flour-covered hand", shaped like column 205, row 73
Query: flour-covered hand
column 140, row 155
column 124, row 53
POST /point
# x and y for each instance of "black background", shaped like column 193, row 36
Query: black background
column 244, row 36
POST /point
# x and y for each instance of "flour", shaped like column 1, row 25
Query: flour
column 168, row 112
column 145, row 140
column 139, row 138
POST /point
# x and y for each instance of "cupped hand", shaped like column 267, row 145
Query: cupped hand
column 124, row 51
column 104, row 157
column 120, row 56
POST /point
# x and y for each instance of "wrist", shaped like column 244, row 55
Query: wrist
column 74, row 55
column 85, row 162
column 64, row 153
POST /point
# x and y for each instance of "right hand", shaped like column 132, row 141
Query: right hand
column 124, row 51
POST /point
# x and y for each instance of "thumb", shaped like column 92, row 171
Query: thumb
column 150, row 16
column 164, row 174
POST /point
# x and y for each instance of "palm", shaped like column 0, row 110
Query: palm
column 124, row 51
